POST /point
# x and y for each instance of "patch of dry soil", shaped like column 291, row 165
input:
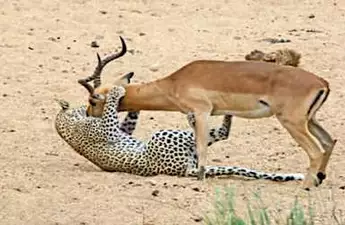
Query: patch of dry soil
column 45, row 48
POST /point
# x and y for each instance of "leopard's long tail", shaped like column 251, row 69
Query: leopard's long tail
column 245, row 172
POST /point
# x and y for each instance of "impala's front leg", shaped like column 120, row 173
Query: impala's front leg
column 201, row 139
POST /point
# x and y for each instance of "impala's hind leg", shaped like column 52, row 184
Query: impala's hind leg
column 215, row 134
column 311, row 144
column 327, row 144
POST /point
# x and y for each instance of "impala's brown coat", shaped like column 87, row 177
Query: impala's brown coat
column 222, row 83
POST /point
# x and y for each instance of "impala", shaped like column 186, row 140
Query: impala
column 247, row 89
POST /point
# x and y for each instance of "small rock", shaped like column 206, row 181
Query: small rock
column 30, row 48
column 142, row 34
column 152, row 182
column 276, row 40
column 342, row 187
column 103, row 12
column 94, row 44
column 154, row 67
column 4, row 95
column 76, row 164
column 52, row 154
column 68, row 48
column 18, row 189
column 155, row 193
column 313, row 31
column 227, row 156
column 151, row 118
column 131, row 51
column 216, row 160
column 197, row 219
column 196, row 189
column 131, row 182
column 311, row 16
column 52, row 39
column 136, row 11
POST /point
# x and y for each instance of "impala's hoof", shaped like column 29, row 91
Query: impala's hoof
column 311, row 180
column 321, row 176
column 201, row 173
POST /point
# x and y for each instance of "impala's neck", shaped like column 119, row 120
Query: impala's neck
column 149, row 96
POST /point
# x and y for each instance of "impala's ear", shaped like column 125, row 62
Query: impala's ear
column 124, row 79
column 128, row 77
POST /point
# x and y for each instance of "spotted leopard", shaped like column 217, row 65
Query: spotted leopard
column 110, row 145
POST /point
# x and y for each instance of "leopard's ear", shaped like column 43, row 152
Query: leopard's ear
column 63, row 103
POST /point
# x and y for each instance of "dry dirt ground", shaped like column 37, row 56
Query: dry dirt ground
column 45, row 48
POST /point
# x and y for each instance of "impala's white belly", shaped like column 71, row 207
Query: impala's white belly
column 241, row 105
column 265, row 111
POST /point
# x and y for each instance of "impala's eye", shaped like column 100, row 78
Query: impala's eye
column 98, row 96
column 95, row 96
column 92, row 102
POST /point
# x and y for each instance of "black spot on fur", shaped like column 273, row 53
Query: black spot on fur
column 288, row 178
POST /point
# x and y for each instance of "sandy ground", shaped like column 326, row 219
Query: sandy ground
column 45, row 48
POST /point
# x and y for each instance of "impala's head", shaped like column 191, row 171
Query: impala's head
column 98, row 97
column 98, row 94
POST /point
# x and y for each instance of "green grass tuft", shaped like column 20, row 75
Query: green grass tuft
column 224, row 212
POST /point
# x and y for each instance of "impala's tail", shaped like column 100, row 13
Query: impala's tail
column 318, row 101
